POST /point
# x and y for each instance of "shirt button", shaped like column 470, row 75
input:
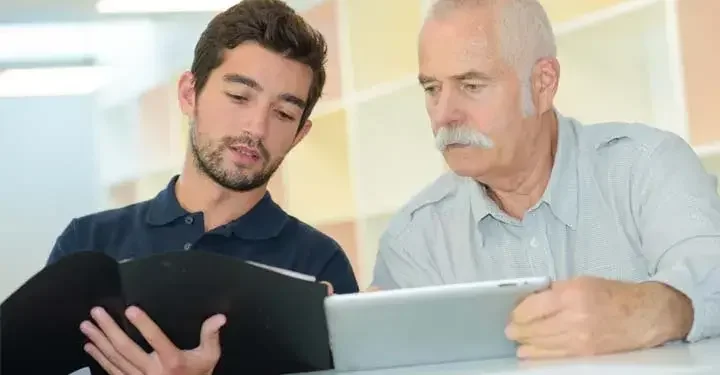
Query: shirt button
column 187, row 246
column 188, row 219
column 534, row 242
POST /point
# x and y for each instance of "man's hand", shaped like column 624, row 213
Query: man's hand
column 329, row 286
column 591, row 316
column 120, row 355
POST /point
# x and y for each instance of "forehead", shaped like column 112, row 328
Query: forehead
column 458, row 41
column 273, row 71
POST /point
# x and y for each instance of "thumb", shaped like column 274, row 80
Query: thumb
column 330, row 288
column 210, row 334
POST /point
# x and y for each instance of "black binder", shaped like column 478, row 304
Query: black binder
column 275, row 323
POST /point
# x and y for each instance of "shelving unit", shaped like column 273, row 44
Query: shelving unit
column 371, row 147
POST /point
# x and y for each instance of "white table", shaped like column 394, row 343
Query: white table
column 699, row 358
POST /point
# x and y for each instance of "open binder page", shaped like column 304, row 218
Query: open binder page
column 285, row 272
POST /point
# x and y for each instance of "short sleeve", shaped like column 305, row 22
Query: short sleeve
column 338, row 271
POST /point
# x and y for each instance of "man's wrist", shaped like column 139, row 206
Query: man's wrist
column 674, row 312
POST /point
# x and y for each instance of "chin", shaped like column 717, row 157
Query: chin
column 466, row 172
column 464, row 166
column 243, row 171
column 243, row 174
column 465, row 169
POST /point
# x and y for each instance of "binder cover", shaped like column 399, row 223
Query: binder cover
column 275, row 323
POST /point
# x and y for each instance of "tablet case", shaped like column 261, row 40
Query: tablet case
column 275, row 323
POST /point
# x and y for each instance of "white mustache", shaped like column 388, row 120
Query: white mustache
column 461, row 135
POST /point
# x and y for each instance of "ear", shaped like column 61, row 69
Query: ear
column 546, row 76
column 302, row 133
column 186, row 94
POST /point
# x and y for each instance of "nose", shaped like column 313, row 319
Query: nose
column 447, row 109
column 257, row 120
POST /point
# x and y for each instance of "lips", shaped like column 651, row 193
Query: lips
column 246, row 151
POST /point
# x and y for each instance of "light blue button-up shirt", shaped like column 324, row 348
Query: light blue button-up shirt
column 624, row 201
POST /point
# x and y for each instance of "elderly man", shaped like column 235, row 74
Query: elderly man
column 622, row 216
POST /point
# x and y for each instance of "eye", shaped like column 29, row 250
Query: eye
column 237, row 98
column 430, row 90
column 285, row 116
column 473, row 87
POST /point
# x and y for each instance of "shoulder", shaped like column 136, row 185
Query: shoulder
column 418, row 213
column 94, row 231
column 332, row 262
column 314, row 245
column 126, row 216
column 313, row 238
column 639, row 157
column 624, row 140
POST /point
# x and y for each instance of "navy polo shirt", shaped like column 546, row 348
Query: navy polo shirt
column 266, row 234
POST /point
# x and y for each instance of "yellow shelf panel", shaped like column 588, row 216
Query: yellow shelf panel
column 383, row 39
column 317, row 176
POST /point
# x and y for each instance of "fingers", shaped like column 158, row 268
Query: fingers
column 372, row 288
column 536, row 306
column 103, row 361
column 210, row 335
column 105, row 353
column 152, row 333
column 120, row 340
column 536, row 352
column 331, row 290
column 560, row 341
column 547, row 327
column 543, row 334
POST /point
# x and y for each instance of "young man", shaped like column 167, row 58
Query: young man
column 623, row 217
column 258, row 70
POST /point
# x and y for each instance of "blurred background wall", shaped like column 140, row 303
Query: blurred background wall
column 89, row 117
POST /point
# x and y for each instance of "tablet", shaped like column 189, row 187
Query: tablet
column 426, row 325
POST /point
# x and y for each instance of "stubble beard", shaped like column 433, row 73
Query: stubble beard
column 208, row 159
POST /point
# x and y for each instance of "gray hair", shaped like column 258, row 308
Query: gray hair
column 526, row 36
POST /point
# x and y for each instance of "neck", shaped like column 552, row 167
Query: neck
column 517, row 193
column 196, row 192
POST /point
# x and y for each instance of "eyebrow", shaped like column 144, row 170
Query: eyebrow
column 247, row 81
column 423, row 79
column 253, row 84
column 292, row 99
column 471, row 74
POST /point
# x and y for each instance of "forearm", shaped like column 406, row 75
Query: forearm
column 670, row 311
column 696, row 276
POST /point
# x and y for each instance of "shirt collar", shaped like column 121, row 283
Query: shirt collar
column 480, row 203
column 561, row 194
column 265, row 220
